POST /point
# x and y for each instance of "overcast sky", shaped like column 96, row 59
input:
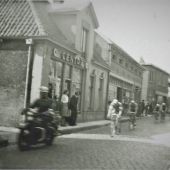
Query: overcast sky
column 140, row 27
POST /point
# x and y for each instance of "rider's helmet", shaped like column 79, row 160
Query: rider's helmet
column 115, row 101
column 157, row 105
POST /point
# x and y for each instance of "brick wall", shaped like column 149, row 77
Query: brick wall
column 13, row 66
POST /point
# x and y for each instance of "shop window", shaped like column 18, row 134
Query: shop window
column 67, row 78
column 58, row 76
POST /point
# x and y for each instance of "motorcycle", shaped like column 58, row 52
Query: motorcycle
column 37, row 128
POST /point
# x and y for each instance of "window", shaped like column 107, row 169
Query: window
column 120, row 61
column 84, row 41
column 126, row 65
column 151, row 76
column 113, row 57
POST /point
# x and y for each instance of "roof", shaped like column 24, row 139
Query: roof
column 72, row 5
column 125, row 54
column 17, row 19
column 30, row 19
column 53, row 32
column 104, row 37
column 77, row 5
column 151, row 65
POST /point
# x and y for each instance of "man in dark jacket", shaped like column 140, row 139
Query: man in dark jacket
column 73, row 108
column 44, row 102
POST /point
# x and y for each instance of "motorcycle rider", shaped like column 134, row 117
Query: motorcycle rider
column 44, row 103
column 132, row 113
column 114, row 114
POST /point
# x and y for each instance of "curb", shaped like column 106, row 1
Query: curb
column 78, row 129
column 11, row 136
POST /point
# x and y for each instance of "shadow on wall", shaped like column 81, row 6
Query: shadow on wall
column 12, row 102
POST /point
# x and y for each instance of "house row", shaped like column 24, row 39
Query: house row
column 55, row 44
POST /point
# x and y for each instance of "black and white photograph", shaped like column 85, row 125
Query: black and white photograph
column 85, row 84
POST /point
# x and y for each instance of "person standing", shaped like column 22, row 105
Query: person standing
column 73, row 107
column 64, row 107
column 142, row 107
column 147, row 109
column 132, row 113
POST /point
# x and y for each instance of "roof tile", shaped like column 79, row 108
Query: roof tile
column 16, row 19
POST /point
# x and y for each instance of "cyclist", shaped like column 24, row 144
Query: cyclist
column 132, row 114
column 114, row 114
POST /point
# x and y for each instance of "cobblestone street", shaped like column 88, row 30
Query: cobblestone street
column 94, row 149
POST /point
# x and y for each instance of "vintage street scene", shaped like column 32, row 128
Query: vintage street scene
column 85, row 84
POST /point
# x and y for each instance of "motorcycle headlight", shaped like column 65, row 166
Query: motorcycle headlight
column 29, row 113
column 22, row 124
column 30, row 118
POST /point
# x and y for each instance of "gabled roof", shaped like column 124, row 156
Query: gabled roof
column 75, row 6
column 27, row 18
column 17, row 19
column 47, row 20
column 155, row 67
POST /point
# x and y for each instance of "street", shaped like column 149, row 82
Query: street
column 145, row 148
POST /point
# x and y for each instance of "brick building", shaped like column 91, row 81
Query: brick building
column 155, row 84
column 125, row 80
column 49, row 43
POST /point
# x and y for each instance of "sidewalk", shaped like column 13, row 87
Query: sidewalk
column 11, row 133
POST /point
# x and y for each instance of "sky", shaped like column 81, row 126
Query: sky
column 139, row 27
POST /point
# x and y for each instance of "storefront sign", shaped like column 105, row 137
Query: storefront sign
column 69, row 58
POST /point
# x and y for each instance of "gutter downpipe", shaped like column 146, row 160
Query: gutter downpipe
column 26, row 100
column 107, row 91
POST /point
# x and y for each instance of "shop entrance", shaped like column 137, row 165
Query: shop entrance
column 67, row 85
column 119, row 94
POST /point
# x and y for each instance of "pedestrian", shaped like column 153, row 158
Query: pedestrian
column 151, row 108
column 114, row 114
column 64, row 108
column 132, row 114
column 147, row 109
column 163, row 111
column 73, row 107
column 142, row 107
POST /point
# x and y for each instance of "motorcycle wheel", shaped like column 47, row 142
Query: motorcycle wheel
column 22, row 144
column 49, row 140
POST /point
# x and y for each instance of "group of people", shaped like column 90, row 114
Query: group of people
column 160, row 111
column 68, row 106
column 116, row 108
